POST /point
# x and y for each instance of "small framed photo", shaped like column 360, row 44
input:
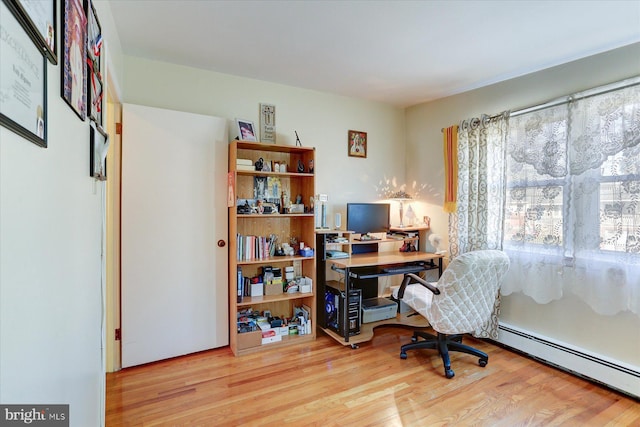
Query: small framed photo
column 357, row 144
column 246, row 130
column 260, row 187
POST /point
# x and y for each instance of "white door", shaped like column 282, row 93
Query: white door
column 174, row 223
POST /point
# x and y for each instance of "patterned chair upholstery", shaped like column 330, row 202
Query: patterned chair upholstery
column 460, row 302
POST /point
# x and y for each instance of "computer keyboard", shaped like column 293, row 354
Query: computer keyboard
column 401, row 269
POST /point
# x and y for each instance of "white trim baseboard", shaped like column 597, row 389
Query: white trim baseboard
column 598, row 368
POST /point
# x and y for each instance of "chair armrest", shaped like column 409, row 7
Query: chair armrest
column 417, row 279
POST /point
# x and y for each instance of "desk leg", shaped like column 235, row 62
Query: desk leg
column 440, row 267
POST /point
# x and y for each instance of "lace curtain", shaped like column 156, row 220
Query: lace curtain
column 477, row 222
column 572, row 208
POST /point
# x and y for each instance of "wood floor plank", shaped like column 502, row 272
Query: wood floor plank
column 323, row 383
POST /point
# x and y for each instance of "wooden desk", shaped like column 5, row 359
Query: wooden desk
column 379, row 259
column 384, row 258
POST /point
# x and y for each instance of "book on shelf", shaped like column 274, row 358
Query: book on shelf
column 240, row 285
column 255, row 247
column 250, row 168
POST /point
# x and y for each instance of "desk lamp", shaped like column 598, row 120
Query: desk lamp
column 401, row 197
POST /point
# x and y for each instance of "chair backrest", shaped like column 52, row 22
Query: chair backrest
column 468, row 290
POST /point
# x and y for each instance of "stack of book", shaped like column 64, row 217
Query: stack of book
column 245, row 165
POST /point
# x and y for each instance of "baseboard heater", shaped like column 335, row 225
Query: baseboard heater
column 597, row 368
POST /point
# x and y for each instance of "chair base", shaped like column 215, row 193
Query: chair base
column 443, row 343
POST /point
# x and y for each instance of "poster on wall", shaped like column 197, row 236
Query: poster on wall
column 74, row 54
column 23, row 94
column 94, row 63
column 40, row 17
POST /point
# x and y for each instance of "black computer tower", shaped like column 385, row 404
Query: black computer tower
column 336, row 303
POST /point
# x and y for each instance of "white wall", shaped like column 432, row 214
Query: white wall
column 568, row 320
column 50, row 265
column 112, row 49
column 50, row 292
column 321, row 120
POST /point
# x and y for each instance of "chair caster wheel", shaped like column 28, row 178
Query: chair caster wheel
column 403, row 355
column 482, row 363
column 355, row 346
column 414, row 339
column 449, row 373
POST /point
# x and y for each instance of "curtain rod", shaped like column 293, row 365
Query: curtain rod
column 495, row 116
column 569, row 98
column 601, row 90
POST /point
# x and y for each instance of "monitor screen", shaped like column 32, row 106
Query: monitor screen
column 368, row 217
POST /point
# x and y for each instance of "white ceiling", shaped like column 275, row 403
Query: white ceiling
column 398, row 52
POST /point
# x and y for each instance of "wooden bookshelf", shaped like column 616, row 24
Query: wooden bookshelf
column 282, row 225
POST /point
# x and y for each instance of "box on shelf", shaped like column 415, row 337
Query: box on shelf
column 257, row 289
column 273, row 289
column 249, row 339
column 283, row 330
column 296, row 208
column 306, row 284
column 270, row 336
column 264, row 325
column 306, row 252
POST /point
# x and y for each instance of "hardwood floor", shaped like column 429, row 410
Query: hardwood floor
column 325, row 384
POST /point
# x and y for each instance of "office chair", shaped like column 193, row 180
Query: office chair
column 460, row 302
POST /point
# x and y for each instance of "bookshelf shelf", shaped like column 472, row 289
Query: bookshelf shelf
column 265, row 299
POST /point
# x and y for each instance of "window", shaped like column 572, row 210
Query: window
column 536, row 179
column 573, row 176
column 619, row 202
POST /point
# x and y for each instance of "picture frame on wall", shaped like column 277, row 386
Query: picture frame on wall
column 74, row 54
column 99, row 145
column 41, row 23
column 95, row 92
column 246, row 130
column 23, row 79
column 95, row 84
column 357, row 144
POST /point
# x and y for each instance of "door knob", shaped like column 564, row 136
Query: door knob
column 221, row 243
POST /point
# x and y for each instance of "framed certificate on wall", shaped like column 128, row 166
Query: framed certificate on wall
column 23, row 79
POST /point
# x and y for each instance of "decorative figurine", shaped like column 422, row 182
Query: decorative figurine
column 300, row 166
column 259, row 164
column 311, row 166
column 286, row 203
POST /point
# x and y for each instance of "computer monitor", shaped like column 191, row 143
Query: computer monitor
column 365, row 218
